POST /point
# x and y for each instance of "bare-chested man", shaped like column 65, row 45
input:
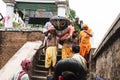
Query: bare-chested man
column 51, row 52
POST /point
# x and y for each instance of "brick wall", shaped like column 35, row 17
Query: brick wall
column 12, row 41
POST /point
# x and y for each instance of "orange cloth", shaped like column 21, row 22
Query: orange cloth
column 85, row 44
column 66, row 52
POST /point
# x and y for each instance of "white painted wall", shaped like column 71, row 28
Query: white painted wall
column 61, row 11
column 9, row 15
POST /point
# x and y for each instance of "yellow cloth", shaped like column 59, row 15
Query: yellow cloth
column 66, row 52
column 50, row 58
column 85, row 45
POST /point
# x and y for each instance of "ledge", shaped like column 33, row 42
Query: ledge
column 36, row 1
column 21, row 30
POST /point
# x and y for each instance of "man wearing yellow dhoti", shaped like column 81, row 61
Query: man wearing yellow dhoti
column 51, row 52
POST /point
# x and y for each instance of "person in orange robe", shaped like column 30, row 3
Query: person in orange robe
column 85, row 44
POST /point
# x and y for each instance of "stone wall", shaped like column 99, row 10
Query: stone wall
column 12, row 41
column 108, row 63
column 91, row 65
column 107, row 55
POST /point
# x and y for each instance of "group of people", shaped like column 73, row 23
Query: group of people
column 72, row 68
column 71, row 41
column 18, row 21
column 75, row 46
column 79, row 36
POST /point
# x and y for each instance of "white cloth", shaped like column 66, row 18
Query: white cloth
column 81, row 60
column 47, row 24
column 45, row 30
column 24, row 77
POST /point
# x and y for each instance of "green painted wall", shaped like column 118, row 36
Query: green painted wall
column 44, row 7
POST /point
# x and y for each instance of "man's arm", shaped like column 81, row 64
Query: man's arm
column 43, row 45
column 88, row 33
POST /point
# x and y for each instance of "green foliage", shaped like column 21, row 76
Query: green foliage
column 72, row 14
column 16, row 25
column 1, row 25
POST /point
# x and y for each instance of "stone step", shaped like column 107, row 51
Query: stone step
column 38, row 77
column 40, row 72
column 41, row 62
column 42, row 57
column 40, row 67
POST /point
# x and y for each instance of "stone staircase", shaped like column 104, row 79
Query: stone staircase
column 38, row 71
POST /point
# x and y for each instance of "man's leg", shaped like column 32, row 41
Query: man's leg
column 49, row 77
column 50, row 72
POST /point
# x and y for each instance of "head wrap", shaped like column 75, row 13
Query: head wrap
column 26, row 65
column 47, row 24
column 84, row 25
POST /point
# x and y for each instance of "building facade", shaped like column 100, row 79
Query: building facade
column 39, row 9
